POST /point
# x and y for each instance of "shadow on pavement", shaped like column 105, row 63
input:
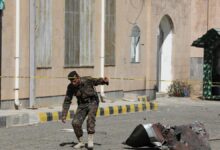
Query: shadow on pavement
column 68, row 143
column 141, row 148
column 72, row 144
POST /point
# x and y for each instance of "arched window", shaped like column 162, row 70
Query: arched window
column 135, row 44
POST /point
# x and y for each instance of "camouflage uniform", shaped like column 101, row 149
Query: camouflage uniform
column 87, row 100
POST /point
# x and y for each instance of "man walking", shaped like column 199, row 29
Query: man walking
column 87, row 99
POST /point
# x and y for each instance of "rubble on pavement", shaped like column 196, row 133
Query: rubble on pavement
column 182, row 137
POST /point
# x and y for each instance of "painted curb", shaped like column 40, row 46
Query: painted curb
column 102, row 111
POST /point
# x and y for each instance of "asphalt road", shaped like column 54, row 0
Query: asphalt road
column 112, row 131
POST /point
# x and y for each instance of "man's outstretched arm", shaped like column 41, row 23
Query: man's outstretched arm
column 65, row 108
column 100, row 81
column 66, row 103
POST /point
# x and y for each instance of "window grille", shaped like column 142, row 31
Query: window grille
column 43, row 32
column 79, row 33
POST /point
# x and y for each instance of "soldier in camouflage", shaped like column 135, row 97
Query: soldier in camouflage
column 88, row 102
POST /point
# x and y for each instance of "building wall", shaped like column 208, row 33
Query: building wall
column 8, row 49
column 178, row 11
column 204, row 16
column 132, row 12
column 199, row 24
column 189, row 23
column 56, row 86
column 213, row 14
column 24, row 49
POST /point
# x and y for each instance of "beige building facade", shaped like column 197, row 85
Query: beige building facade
column 147, row 45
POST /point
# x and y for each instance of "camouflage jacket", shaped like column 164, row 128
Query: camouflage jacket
column 83, row 92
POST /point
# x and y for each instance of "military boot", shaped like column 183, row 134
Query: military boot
column 90, row 141
column 81, row 144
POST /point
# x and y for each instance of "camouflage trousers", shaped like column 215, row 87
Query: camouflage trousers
column 83, row 110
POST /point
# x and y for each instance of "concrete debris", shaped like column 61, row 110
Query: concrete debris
column 183, row 137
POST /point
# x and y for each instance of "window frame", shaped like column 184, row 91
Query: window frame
column 135, row 44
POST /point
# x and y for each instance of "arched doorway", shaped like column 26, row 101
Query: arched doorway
column 164, row 53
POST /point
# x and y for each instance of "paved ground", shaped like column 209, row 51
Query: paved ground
column 113, row 130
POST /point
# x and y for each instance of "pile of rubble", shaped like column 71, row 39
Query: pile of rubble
column 183, row 137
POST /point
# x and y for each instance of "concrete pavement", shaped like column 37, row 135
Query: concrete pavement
column 10, row 118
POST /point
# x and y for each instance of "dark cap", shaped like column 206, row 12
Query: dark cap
column 72, row 75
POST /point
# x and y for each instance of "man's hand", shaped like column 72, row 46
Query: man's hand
column 106, row 80
column 102, row 99
column 63, row 119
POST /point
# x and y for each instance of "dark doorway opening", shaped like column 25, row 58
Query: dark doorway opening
column 216, row 72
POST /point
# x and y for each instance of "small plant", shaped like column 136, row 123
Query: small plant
column 179, row 89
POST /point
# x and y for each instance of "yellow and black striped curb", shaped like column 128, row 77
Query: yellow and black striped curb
column 102, row 111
